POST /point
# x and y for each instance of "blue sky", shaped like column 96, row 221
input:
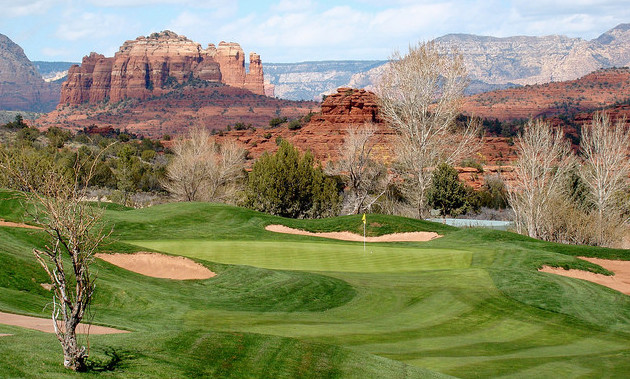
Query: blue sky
column 296, row 30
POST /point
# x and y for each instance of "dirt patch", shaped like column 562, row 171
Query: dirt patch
column 159, row 265
column 347, row 236
column 5, row 335
column 17, row 225
column 620, row 281
column 46, row 325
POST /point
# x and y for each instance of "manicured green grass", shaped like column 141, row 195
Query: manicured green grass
column 322, row 256
column 469, row 304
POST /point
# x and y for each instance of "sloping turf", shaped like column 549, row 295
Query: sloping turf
column 470, row 304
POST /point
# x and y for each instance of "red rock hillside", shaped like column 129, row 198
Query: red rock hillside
column 595, row 90
column 325, row 132
column 212, row 105
column 152, row 66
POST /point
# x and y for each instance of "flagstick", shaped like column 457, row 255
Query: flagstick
column 363, row 236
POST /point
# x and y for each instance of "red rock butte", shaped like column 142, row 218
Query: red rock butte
column 151, row 66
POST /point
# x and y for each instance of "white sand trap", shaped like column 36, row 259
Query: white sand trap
column 620, row 281
column 159, row 265
column 347, row 236
column 46, row 325
column 17, row 225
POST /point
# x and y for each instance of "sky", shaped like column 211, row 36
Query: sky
column 293, row 30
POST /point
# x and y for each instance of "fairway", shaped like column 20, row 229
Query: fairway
column 470, row 304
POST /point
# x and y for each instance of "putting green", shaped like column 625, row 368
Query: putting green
column 309, row 256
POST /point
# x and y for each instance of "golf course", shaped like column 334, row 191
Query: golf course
column 470, row 303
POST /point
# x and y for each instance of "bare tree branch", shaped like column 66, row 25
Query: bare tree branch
column 366, row 180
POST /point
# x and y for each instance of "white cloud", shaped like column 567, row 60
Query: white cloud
column 92, row 26
column 291, row 6
column 13, row 8
column 55, row 52
column 208, row 4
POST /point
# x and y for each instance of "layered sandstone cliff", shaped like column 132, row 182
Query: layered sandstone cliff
column 153, row 65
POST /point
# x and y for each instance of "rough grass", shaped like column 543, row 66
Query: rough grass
column 469, row 304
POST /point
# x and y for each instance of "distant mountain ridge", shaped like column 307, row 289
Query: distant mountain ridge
column 493, row 63
column 535, row 60
column 311, row 80
column 53, row 71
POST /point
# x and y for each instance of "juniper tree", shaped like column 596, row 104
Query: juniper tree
column 290, row 184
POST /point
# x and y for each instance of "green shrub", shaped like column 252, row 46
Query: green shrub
column 294, row 125
column 448, row 194
column 472, row 164
column 493, row 193
column 289, row 184
column 277, row 121
column 57, row 137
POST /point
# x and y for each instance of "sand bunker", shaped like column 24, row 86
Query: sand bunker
column 46, row 325
column 159, row 265
column 17, row 225
column 347, row 236
column 620, row 281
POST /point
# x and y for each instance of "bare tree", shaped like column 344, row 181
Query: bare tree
column 202, row 170
column 420, row 97
column 543, row 160
column 227, row 171
column 365, row 178
column 606, row 167
column 74, row 232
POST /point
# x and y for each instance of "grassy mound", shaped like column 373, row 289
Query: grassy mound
column 469, row 304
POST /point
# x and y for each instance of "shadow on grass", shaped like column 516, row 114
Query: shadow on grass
column 115, row 359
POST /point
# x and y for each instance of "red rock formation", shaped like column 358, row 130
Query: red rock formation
column 151, row 66
column 325, row 132
column 254, row 80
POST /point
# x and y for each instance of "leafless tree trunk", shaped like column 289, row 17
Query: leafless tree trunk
column 366, row 180
column 202, row 170
column 606, row 167
column 420, row 97
column 543, row 158
column 74, row 232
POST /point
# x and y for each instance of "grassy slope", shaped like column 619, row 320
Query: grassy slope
column 469, row 304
